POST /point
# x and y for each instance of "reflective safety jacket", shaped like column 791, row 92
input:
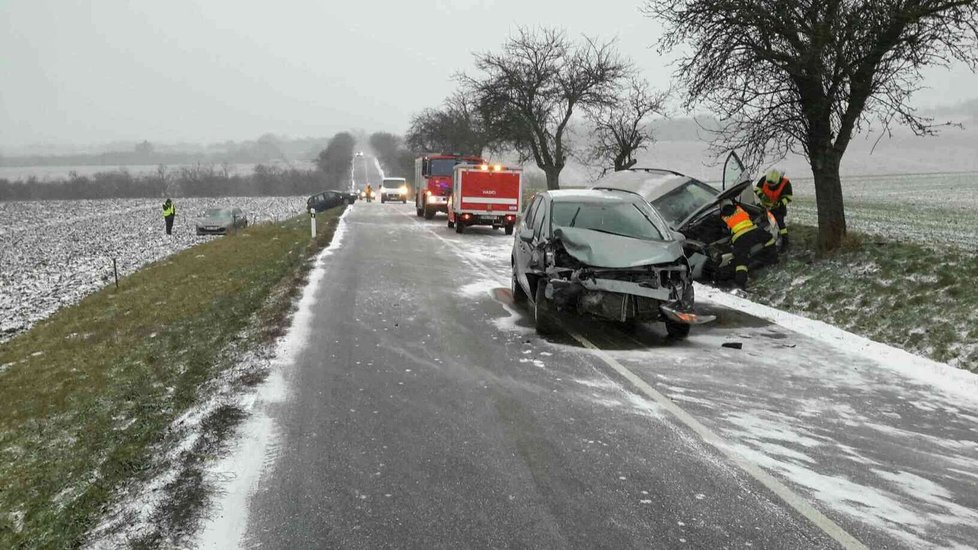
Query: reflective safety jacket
column 739, row 223
column 169, row 209
column 776, row 196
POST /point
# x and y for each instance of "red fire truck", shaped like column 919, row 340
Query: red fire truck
column 433, row 181
column 485, row 195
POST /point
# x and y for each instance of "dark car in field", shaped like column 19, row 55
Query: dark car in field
column 692, row 208
column 603, row 253
column 328, row 199
column 221, row 221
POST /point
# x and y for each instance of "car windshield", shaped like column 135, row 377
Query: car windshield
column 392, row 184
column 681, row 202
column 442, row 167
column 217, row 213
column 626, row 219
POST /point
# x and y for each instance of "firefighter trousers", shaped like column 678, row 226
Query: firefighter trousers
column 169, row 224
column 742, row 256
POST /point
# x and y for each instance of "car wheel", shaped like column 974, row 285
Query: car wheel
column 459, row 227
column 543, row 311
column 382, row 200
column 429, row 213
column 519, row 295
column 677, row 331
column 509, row 229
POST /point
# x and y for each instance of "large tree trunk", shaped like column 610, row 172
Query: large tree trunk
column 828, row 199
column 553, row 177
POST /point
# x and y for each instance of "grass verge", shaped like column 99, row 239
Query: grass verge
column 919, row 298
column 91, row 393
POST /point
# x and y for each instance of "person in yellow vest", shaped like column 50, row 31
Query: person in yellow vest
column 774, row 192
column 169, row 212
column 745, row 236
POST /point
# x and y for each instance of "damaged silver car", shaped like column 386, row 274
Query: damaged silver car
column 605, row 253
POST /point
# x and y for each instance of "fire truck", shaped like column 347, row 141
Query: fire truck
column 433, row 181
column 485, row 195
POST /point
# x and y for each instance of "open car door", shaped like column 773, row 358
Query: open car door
column 734, row 173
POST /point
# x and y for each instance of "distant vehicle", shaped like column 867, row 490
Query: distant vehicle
column 693, row 208
column 326, row 200
column 485, row 195
column 433, row 181
column 220, row 221
column 604, row 253
column 359, row 153
column 393, row 189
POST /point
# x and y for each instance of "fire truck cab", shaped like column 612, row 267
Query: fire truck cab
column 484, row 194
column 433, row 181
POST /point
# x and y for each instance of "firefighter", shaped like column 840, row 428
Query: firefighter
column 369, row 193
column 744, row 236
column 169, row 212
column 774, row 192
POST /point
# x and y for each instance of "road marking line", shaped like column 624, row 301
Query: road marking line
column 792, row 499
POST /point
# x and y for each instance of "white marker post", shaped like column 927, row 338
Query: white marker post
column 312, row 222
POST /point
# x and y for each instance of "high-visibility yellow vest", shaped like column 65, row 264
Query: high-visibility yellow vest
column 739, row 223
column 169, row 210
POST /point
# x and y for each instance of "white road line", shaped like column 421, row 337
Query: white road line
column 792, row 499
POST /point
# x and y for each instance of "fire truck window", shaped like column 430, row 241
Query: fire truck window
column 441, row 167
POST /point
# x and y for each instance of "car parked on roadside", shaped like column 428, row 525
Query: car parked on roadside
column 604, row 253
column 221, row 221
column 326, row 200
column 393, row 189
column 692, row 208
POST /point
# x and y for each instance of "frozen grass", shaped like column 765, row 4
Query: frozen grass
column 54, row 253
column 91, row 391
column 919, row 298
column 928, row 209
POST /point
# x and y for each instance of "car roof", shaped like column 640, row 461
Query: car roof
column 593, row 195
column 394, row 179
column 650, row 183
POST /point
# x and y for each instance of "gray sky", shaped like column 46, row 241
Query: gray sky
column 94, row 71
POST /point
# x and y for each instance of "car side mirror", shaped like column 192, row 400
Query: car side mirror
column 526, row 234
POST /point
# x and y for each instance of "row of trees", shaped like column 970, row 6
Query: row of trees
column 197, row 181
column 800, row 76
column 525, row 98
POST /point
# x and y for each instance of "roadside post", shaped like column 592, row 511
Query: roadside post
column 312, row 222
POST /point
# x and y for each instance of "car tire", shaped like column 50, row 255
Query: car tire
column 509, row 229
column 677, row 331
column 459, row 227
column 429, row 213
column 544, row 316
column 519, row 295
column 382, row 200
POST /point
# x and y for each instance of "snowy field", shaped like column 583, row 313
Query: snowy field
column 53, row 253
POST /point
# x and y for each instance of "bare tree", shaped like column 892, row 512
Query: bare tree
column 623, row 127
column 456, row 127
column 528, row 92
column 805, row 75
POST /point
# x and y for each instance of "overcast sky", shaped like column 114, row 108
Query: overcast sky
column 82, row 72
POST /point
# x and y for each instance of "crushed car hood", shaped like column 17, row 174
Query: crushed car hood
column 598, row 249
column 724, row 195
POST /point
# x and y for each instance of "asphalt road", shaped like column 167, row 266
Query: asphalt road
column 425, row 413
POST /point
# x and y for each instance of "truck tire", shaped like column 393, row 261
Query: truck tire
column 451, row 224
column 544, row 316
column 382, row 200
column 677, row 331
column 429, row 213
column 509, row 229
column 460, row 226
column 419, row 210
column 519, row 296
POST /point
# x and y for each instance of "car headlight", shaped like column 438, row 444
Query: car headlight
column 404, row 189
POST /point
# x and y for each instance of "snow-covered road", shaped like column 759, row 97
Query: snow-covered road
column 54, row 253
column 430, row 412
